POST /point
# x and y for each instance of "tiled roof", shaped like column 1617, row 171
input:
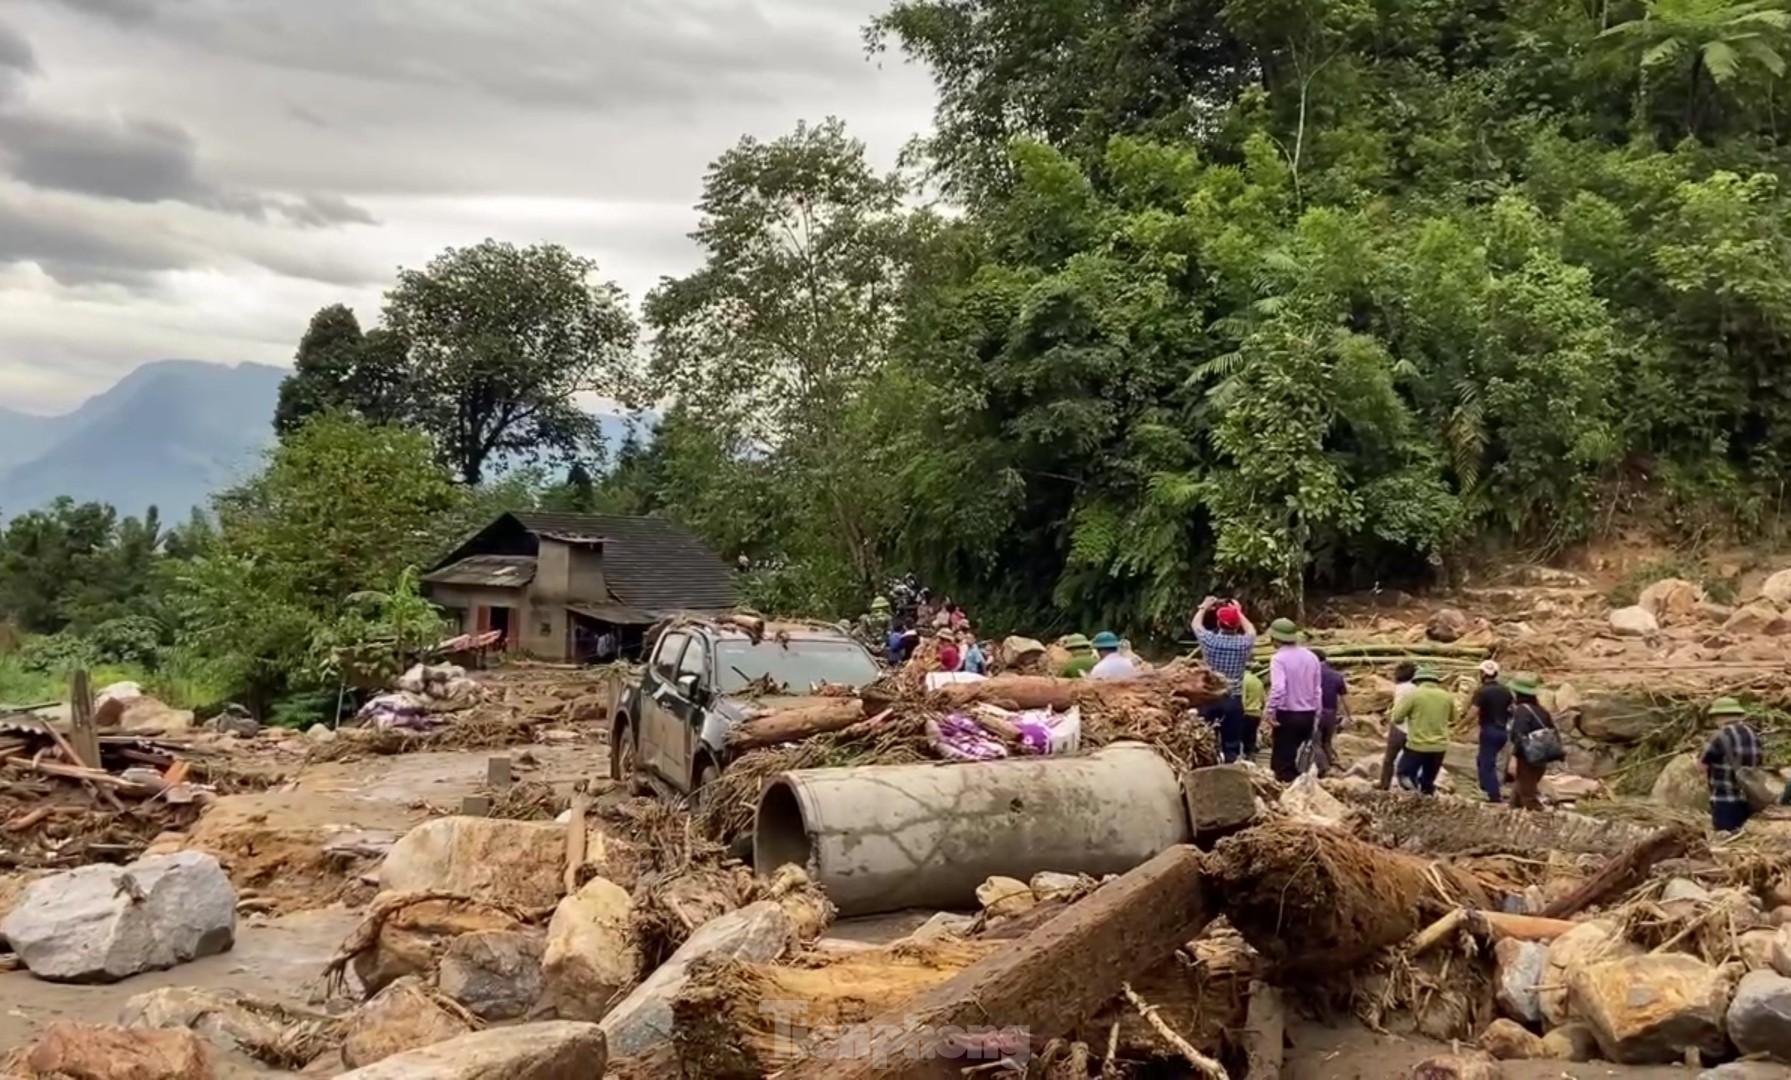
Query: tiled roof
column 496, row 571
column 649, row 563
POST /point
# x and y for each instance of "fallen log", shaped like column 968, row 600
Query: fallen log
column 1265, row 1030
column 794, row 725
column 1190, row 685
column 1460, row 826
column 1316, row 900
column 1624, row 871
column 1039, row 987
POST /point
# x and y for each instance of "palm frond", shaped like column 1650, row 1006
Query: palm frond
column 1723, row 62
column 1661, row 52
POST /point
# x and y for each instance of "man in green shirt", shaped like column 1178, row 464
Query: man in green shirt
column 1082, row 656
column 1427, row 714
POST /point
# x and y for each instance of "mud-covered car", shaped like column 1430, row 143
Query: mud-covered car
column 703, row 677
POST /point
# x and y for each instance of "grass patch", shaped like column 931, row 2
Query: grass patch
column 176, row 685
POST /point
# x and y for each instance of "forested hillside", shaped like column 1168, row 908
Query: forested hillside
column 1271, row 293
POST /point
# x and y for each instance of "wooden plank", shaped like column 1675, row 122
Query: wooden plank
column 83, row 736
column 1265, row 1030
column 1044, row 984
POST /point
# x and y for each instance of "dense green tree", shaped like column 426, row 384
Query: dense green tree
column 500, row 340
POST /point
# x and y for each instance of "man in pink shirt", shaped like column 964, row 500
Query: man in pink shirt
column 1296, row 690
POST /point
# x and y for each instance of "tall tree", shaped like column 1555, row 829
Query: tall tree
column 322, row 369
column 501, row 340
column 807, row 250
column 1722, row 40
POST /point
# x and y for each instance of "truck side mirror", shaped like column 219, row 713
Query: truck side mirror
column 687, row 685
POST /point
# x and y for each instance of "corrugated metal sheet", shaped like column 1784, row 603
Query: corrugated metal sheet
column 492, row 571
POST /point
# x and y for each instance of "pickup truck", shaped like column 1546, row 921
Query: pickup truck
column 703, row 677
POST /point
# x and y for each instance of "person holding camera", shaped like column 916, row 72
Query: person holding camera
column 1227, row 650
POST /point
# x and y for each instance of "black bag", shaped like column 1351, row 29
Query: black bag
column 1541, row 746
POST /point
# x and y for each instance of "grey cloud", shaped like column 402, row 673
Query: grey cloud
column 142, row 161
column 588, row 54
column 15, row 52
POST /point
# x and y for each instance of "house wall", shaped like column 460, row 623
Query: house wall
column 553, row 567
column 584, row 579
column 544, row 632
column 470, row 598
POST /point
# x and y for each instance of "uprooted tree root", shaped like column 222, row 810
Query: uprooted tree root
column 422, row 916
column 1314, row 899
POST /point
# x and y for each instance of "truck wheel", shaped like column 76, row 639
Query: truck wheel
column 624, row 757
column 706, row 775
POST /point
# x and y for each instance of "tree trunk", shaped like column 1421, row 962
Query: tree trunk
column 793, row 725
column 1039, row 987
column 1265, row 1027
column 1191, row 685
column 1621, row 872
column 1316, row 900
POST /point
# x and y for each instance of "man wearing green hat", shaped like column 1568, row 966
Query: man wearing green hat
column 1296, row 691
column 1113, row 663
column 1734, row 747
column 873, row 625
column 1527, row 717
column 1427, row 714
column 1082, row 656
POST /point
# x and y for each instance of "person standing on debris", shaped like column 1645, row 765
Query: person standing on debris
column 1531, row 756
column 976, row 662
column 900, row 644
column 1428, row 713
column 1403, row 685
column 1113, row 663
column 873, row 625
column 1491, row 708
column 1734, row 747
column 1227, row 650
column 1296, row 691
column 1333, row 710
column 951, row 658
column 1082, row 656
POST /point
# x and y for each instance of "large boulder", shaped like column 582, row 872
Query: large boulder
column 103, row 923
column 1635, row 621
column 1517, row 971
column 1779, row 955
column 1508, row 1040
column 591, row 956
column 554, row 1051
column 1757, row 618
column 1682, row 785
column 1777, row 588
column 1651, row 1009
column 1671, row 599
column 1587, row 943
column 90, row 1052
column 757, row 933
column 413, row 939
column 403, row 1016
column 1446, row 625
column 1755, row 947
column 111, row 701
column 1612, row 718
column 496, row 974
column 519, row 863
column 1759, row 1018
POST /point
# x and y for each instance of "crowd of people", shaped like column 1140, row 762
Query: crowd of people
column 1304, row 701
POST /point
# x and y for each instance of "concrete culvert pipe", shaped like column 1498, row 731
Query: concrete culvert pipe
column 887, row 837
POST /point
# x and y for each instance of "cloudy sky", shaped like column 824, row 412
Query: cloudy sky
column 193, row 178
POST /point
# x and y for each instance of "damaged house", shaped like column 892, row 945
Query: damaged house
column 554, row 583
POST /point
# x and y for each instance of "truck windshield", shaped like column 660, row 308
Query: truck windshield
column 796, row 666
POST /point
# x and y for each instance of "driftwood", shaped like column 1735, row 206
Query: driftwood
column 794, row 725
column 1495, row 925
column 82, row 733
column 1265, row 1030
column 1622, row 872
column 1045, row 983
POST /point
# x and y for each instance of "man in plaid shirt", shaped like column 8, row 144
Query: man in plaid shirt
column 1227, row 651
column 1736, row 746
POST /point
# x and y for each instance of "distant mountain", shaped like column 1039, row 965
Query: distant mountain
column 166, row 435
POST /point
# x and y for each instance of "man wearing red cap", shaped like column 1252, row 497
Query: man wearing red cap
column 1227, row 651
